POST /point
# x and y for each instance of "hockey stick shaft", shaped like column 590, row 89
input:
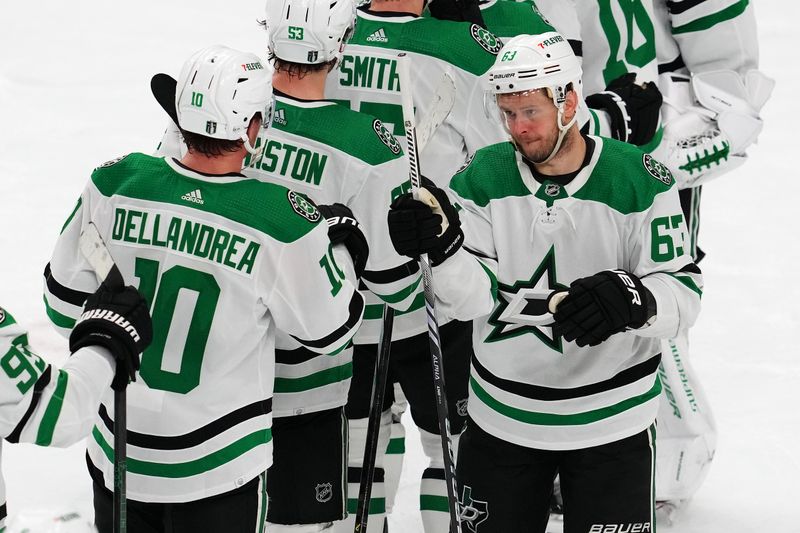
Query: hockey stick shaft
column 98, row 256
column 443, row 99
column 374, row 424
column 434, row 339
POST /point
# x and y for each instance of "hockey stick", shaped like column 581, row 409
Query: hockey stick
column 415, row 176
column 443, row 99
column 96, row 253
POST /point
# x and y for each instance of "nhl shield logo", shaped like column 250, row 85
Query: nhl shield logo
column 461, row 407
column 211, row 127
column 552, row 189
column 324, row 492
column 656, row 169
column 303, row 207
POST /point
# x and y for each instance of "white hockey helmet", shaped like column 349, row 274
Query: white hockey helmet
column 529, row 63
column 220, row 90
column 309, row 31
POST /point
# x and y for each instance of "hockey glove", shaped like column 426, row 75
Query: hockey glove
column 343, row 228
column 426, row 226
column 632, row 108
column 120, row 322
column 599, row 306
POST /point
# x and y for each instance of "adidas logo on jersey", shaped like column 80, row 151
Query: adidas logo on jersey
column 378, row 37
column 193, row 196
column 279, row 117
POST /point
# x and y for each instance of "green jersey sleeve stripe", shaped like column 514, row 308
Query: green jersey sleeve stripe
column 189, row 468
column 72, row 215
column 550, row 419
column 492, row 280
column 689, row 282
column 712, row 20
column 314, row 381
column 53, row 410
column 400, row 295
column 375, row 311
column 62, row 321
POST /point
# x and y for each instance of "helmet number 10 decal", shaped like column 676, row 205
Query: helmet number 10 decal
column 197, row 99
column 636, row 23
column 296, row 33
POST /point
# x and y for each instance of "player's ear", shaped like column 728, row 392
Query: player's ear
column 254, row 128
column 571, row 104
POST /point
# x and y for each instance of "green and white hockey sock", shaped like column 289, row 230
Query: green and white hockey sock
column 433, row 503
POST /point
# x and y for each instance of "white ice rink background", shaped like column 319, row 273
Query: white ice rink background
column 74, row 92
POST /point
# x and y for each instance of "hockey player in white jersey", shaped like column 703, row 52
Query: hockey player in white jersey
column 556, row 214
column 368, row 81
column 704, row 56
column 48, row 406
column 334, row 156
column 224, row 261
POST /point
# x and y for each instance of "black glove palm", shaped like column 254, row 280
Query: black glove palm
column 415, row 229
column 601, row 305
column 343, row 228
column 633, row 108
column 118, row 321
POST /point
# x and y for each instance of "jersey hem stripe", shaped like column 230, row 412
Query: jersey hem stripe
column 550, row 419
column 538, row 392
column 189, row 468
column 356, row 311
column 193, row 438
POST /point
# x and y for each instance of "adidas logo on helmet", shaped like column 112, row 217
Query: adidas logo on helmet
column 193, row 196
column 378, row 37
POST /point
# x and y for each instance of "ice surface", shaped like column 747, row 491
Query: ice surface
column 74, row 92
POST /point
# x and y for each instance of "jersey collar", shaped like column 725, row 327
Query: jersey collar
column 570, row 188
column 384, row 15
column 185, row 171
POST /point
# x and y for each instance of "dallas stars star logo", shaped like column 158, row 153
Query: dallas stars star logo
column 543, row 278
column 473, row 512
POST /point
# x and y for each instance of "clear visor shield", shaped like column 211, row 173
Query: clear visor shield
column 508, row 108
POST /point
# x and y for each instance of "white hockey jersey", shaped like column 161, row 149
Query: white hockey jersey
column 621, row 211
column 224, row 261
column 41, row 404
column 368, row 81
column 332, row 154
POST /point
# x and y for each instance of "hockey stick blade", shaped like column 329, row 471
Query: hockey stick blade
column 444, row 96
column 163, row 86
column 94, row 250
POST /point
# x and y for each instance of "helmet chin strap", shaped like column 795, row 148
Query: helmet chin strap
column 562, row 132
column 254, row 152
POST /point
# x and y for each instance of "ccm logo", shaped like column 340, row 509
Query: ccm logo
column 636, row 299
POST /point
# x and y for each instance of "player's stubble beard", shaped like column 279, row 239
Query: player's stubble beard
column 541, row 150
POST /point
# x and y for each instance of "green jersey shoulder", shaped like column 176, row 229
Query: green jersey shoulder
column 358, row 134
column 271, row 209
column 489, row 174
column 461, row 44
column 509, row 19
column 625, row 178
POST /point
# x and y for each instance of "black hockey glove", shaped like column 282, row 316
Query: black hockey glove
column 458, row 10
column 343, row 228
column 599, row 306
column 431, row 227
column 633, row 108
column 118, row 321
